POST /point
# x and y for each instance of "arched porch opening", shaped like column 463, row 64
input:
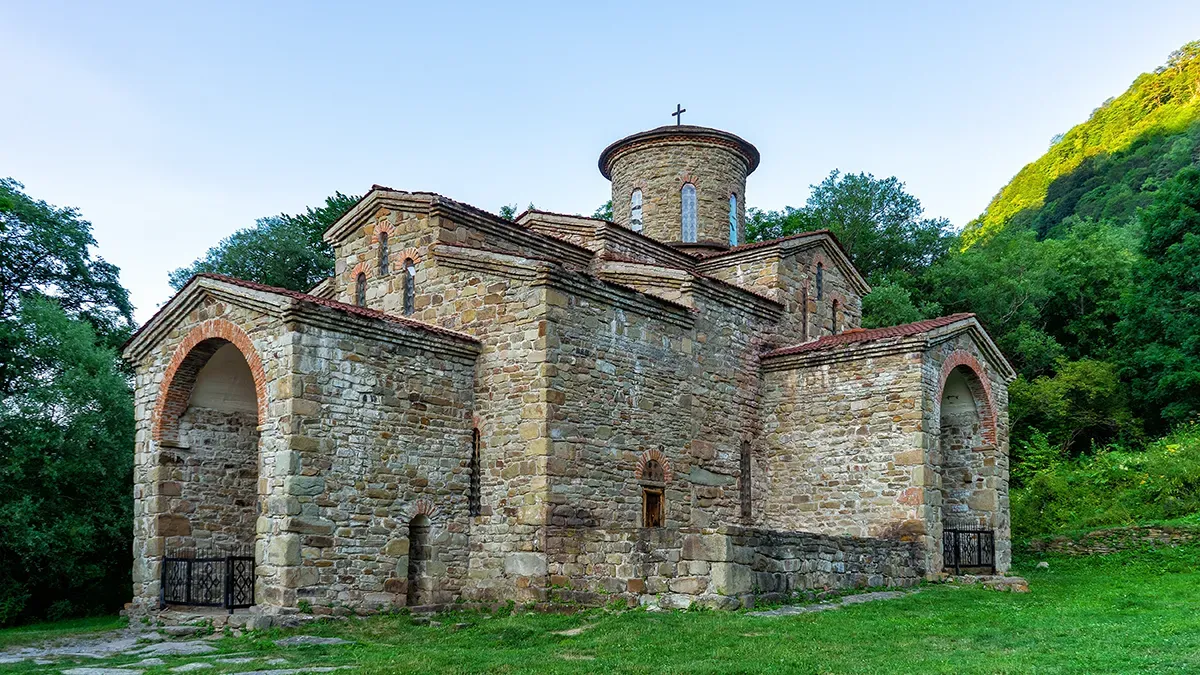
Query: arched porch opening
column 207, row 428
column 966, row 462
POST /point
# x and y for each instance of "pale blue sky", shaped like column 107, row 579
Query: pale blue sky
column 171, row 125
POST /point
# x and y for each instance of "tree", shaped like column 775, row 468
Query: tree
column 604, row 211
column 285, row 250
column 66, row 465
column 1082, row 405
column 66, row 416
column 46, row 251
column 876, row 220
column 1160, row 327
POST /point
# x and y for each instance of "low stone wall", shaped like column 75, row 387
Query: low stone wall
column 782, row 565
column 725, row 568
column 1111, row 540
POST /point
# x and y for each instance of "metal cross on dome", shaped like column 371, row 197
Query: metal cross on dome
column 678, row 114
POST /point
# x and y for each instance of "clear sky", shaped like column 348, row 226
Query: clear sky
column 170, row 125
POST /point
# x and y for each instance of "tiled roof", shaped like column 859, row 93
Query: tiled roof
column 305, row 297
column 770, row 242
column 868, row 334
column 340, row 306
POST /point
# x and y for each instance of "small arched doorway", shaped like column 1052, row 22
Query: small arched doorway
column 208, row 438
column 420, row 584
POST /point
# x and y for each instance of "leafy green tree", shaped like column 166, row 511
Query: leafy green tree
column 1084, row 404
column 66, row 466
column 766, row 225
column 876, row 220
column 508, row 212
column 284, row 250
column 1160, row 327
column 45, row 251
column 66, row 416
column 891, row 303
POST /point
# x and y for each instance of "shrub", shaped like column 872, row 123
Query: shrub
column 1115, row 486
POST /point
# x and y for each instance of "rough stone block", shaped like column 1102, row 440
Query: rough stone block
column 689, row 585
column 732, row 578
column 525, row 564
column 284, row 549
column 304, row 486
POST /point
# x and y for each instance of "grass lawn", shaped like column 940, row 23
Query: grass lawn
column 41, row 632
column 1133, row 611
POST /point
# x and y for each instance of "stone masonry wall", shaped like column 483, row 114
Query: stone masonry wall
column 843, row 448
column 633, row 386
column 780, row 564
column 387, row 437
column 727, row 567
column 156, row 472
column 215, row 479
column 790, row 278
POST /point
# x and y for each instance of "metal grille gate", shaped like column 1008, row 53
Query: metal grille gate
column 973, row 549
column 208, row 579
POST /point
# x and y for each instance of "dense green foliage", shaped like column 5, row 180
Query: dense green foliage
column 1134, row 611
column 66, row 417
column 284, row 250
column 1161, row 324
column 1114, row 486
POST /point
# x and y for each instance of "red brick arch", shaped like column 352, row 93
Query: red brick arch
column 193, row 352
column 981, row 387
column 382, row 226
column 361, row 268
column 655, row 455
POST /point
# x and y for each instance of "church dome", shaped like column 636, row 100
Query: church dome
column 684, row 185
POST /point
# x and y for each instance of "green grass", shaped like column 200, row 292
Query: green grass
column 1132, row 611
column 41, row 632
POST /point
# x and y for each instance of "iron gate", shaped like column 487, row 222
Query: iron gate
column 208, row 579
column 974, row 549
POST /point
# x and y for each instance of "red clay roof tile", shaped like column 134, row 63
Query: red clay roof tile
column 869, row 334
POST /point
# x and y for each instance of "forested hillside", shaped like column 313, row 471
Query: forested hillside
column 1085, row 268
column 1111, row 165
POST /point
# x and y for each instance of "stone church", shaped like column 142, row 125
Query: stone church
column 566, row 409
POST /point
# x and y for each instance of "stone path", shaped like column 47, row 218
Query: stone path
column 134, row 643
column 792, row 610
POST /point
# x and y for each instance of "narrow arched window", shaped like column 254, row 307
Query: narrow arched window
column 410, row 286
column 688, row 213
column 383, row 253
column 360, row 290
column 835, row 320
column 635, row 211
column 820, row 281
column 653, row 508
column 474, row 496
column 804, row 313
column 733, row 221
